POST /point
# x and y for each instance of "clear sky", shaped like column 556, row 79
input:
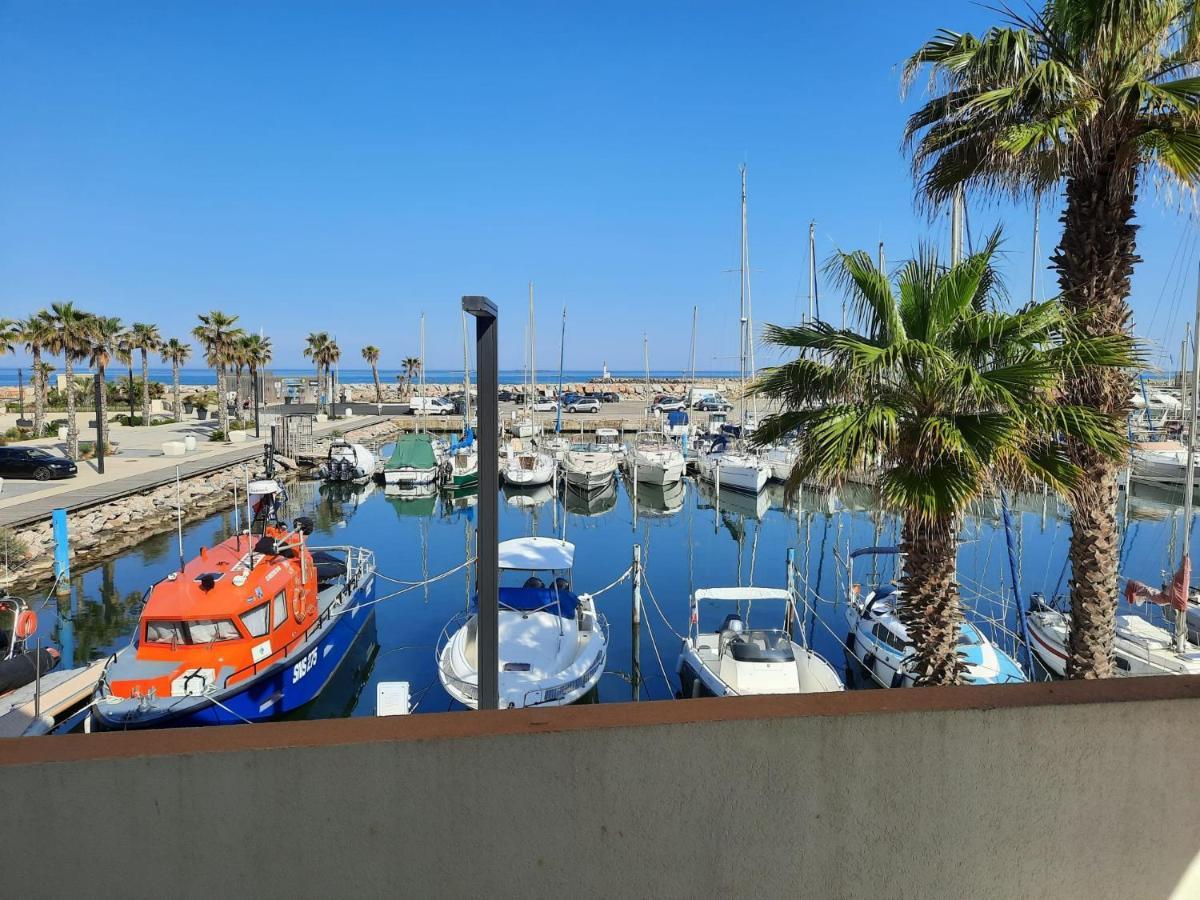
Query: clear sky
column 343, row 166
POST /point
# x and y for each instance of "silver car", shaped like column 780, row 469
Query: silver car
column 584, row 405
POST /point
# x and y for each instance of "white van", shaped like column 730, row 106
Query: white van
column 431, row 406
column 696, row 394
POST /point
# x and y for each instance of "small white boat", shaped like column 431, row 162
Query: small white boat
column 524, row 467
column 413, row 462
column 781, row 459
column 610, row 439
column 731, row 469
column 737, row 660
column 879, row 640
column 348, row 462
column 655, row 460
column 552, row 642
column 556, row 445
column 587, row 467
column 1162, row 461
column 1139, row 647
column 520, row 428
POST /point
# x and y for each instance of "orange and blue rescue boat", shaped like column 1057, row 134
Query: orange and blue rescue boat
column 250, row 630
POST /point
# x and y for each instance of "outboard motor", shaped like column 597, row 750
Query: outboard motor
column 733, row 623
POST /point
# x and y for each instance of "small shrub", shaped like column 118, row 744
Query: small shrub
column 217, row 435
column 13, row 550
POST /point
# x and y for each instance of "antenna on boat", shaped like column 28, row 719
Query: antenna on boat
column 179, row 520
column 237, row 516
column 562, row 340
column 695, row 311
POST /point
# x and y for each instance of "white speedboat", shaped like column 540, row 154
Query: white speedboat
column 610, row 439
column 1162, row 461
column 1139, row 646
column 587, row 467
column 655, row 460
column 552, row 642
column 731, row 469
column 738, row 660
column 525, row 467
column 879, row 639
column 413, row 462
column 348, row 462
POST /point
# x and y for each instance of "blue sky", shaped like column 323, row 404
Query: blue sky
column 343, row 166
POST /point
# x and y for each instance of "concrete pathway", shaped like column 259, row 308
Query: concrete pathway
column 140, row 466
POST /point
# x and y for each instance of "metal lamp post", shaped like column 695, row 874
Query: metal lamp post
column 487, row 545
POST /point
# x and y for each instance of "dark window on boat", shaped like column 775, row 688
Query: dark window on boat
column 884, row 635
column 280, row 606
column 1122, row 664
column 257, row 620
column 190, row 631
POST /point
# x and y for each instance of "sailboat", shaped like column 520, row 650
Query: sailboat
column 460, row 468
column 526, row 425
column 557, row 444
column 731, row 466
column 654, row 458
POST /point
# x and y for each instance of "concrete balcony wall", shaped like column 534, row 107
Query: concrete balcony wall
column 1062, row 791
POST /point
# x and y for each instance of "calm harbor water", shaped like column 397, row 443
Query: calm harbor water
column 689, row 539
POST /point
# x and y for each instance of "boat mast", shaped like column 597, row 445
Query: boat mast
column 646, row 369
column 421, row 365
column 742, row 320
column 532, row 361
column 1189, row 483
column 695, row 309
column 562, row 342
column 749, row 304
column 957, row 206
column 1036, row 251
column 466, row 377
column 812, row 270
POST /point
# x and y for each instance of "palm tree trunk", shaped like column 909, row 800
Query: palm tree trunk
column 320, row 383
column 1095, row 260
column 175, row 390
column 222, row 402
column 378, row 387
column 931, row 611
column 102, row 412
column 145, row 387
column 39, row 393
column 72, row 425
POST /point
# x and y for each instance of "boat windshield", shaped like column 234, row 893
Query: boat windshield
column 190, row 631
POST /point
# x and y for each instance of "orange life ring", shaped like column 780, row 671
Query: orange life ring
column 27, row 623
column 298, row 605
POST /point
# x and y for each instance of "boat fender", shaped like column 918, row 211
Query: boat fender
column 27, row 623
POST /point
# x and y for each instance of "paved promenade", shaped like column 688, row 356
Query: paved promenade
column 140, row 465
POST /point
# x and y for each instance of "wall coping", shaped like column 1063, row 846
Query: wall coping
column 462, row 724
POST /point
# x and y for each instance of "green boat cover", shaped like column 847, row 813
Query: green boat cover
column 413, row 451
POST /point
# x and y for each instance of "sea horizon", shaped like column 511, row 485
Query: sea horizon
column 194, row 377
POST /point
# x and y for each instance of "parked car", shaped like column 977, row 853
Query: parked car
column 34, row 462
column 432, row 406
column 510, row 396
column 610, row 397
column 583, row 405
column 713, row 404
column 545, row 406
column 666, row 403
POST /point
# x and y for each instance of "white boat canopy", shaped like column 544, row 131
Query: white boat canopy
column 734, row 594
column 536, row 554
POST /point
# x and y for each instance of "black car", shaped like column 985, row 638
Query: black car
column 610, row 397
column 33, row 462
column 507, row 396
column 713, row 404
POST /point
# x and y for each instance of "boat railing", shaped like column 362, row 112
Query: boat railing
column 459, row 620
column 360, row 564
column 542, row 696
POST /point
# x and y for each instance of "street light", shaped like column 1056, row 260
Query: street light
column 487, row 545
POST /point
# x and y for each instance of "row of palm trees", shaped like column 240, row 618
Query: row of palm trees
column 1090, row 97
column 76, row 335
column 325, row 353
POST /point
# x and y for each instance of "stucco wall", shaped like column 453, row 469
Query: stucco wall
column 1040, row 791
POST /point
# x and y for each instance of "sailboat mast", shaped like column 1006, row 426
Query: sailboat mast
column 421, row 364
column 812, row 270
column 695, row 310
column 562, row 342
column 1189, row 483
column 742, row 308
column 1036, row 251
column 466, row 377
column 532, row 353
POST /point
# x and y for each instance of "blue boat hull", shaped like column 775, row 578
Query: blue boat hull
column 275, row 692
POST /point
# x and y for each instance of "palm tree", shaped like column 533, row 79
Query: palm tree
column 256, row 351
column 216, row 333
column 176, row 352
column 316, row 349
column 331, row 356
column 412, row 368
column 146, row 338
column 70, row 336
column 10, row 334
column 1099, row 96
column 106, row 337
column 370, row 355
column 35, row 332
column 124, row 354
column 952, row 394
